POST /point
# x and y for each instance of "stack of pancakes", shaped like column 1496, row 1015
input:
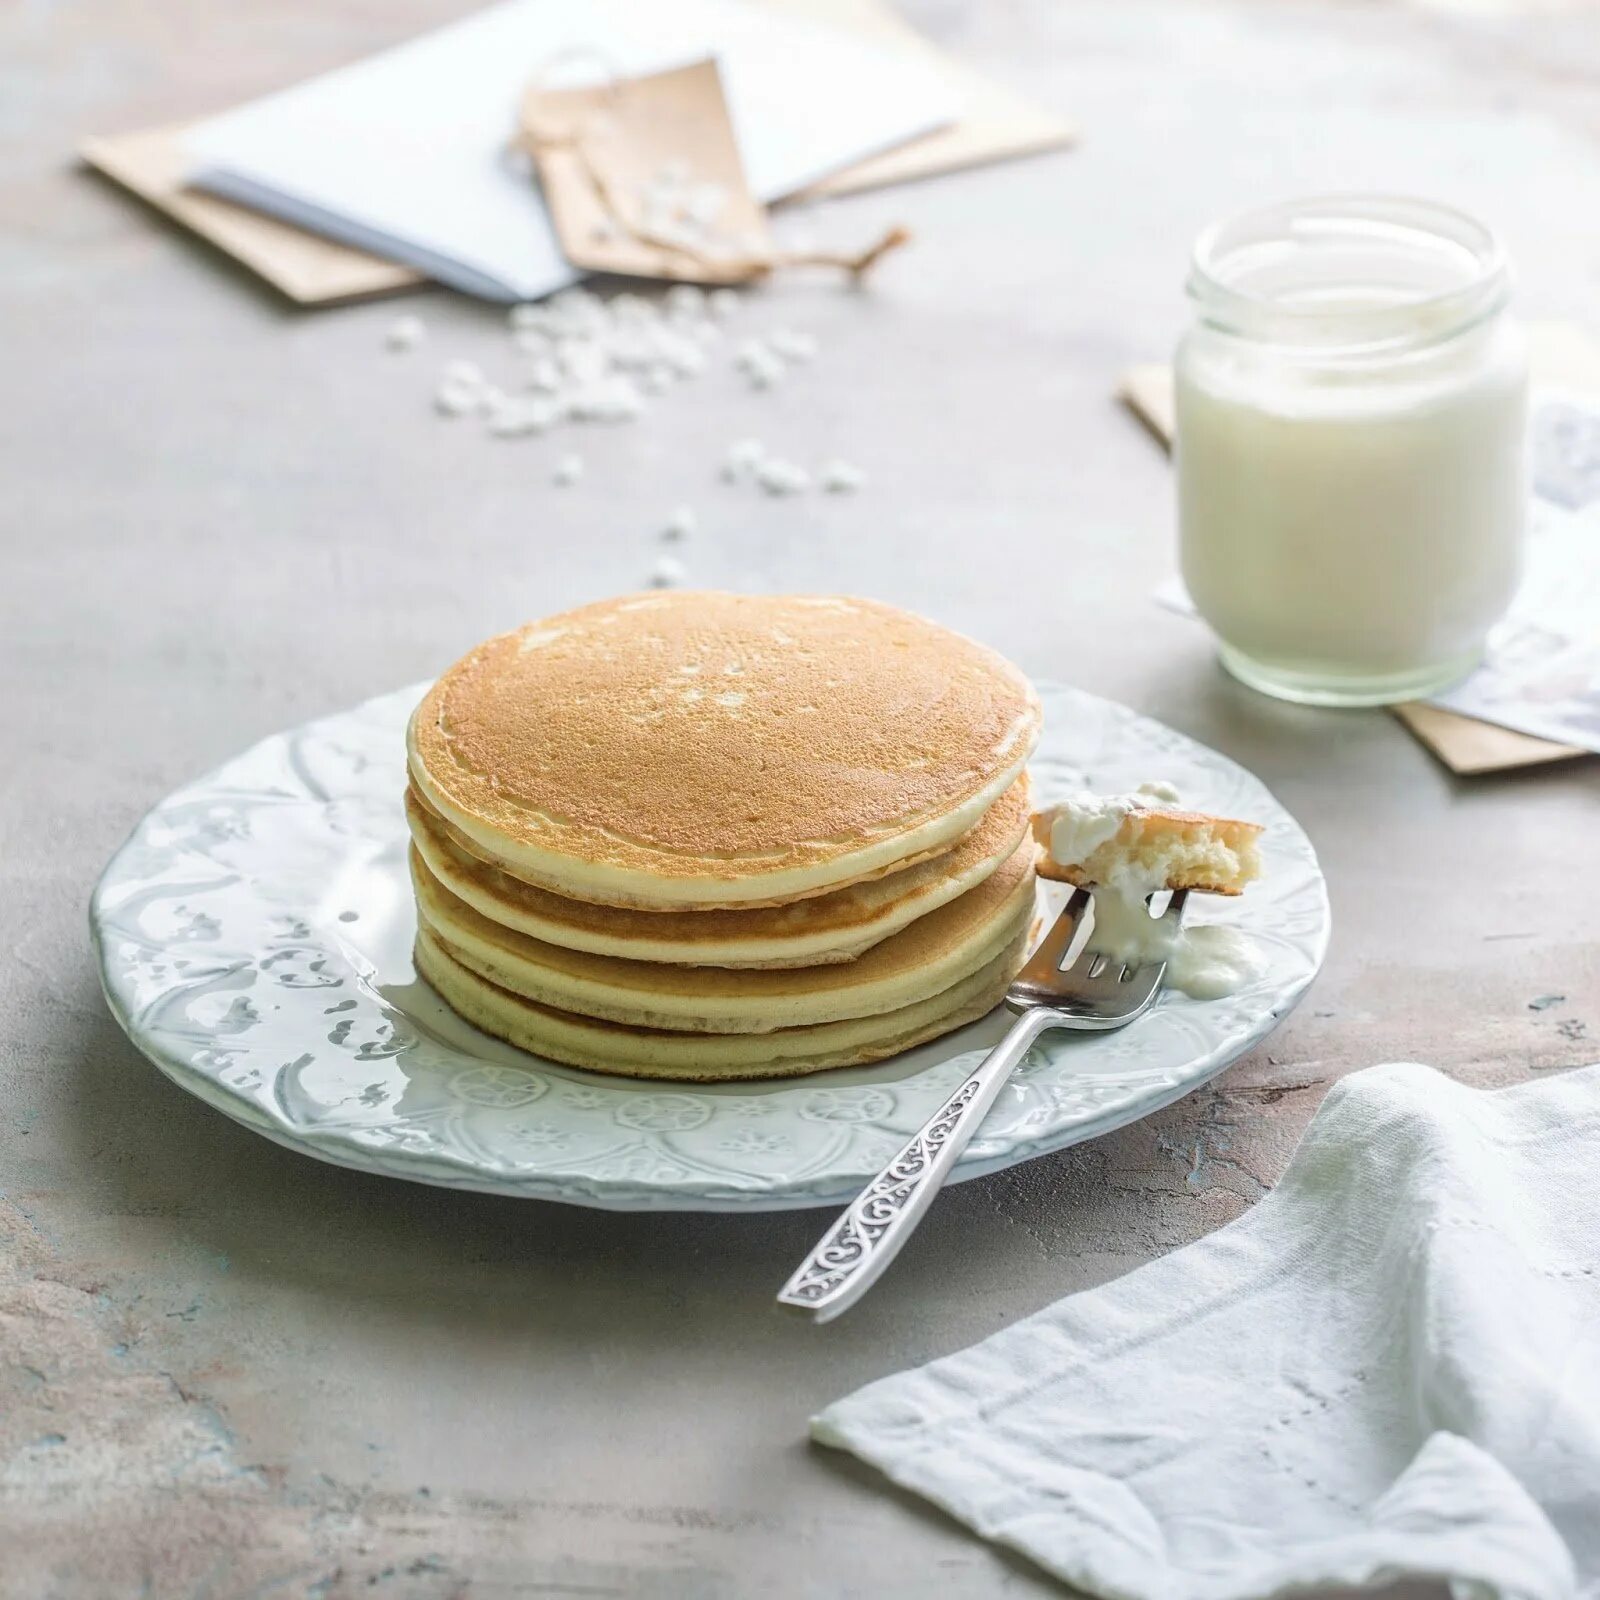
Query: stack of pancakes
column 708, row 836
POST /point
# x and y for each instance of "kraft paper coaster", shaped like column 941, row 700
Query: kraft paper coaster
column 1563, row 355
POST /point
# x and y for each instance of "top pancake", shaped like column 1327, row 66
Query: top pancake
column 698, row 750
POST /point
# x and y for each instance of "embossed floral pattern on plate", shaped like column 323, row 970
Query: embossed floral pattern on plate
column 254, row 937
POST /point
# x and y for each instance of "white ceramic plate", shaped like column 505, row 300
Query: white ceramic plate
column 255, row 934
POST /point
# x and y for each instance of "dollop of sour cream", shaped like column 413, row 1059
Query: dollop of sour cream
column 1211, row 961
column 1206, row 962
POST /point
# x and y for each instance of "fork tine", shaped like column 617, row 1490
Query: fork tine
column 1044, row 965
column 1094, row 994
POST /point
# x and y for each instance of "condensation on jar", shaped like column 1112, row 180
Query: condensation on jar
column 1351, row 416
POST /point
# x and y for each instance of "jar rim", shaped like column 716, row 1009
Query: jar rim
column 1457, row 266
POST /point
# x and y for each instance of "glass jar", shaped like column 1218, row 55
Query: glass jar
column 1351, row 404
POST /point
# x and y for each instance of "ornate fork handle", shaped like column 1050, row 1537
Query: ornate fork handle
column 848, row 1259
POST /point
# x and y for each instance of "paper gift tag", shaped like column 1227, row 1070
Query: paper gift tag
column 1465, row 744
column 642, row 177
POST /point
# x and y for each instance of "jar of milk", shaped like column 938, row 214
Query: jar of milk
column 1350, row 446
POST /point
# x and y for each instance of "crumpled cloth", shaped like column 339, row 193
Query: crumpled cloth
column 1389, row 1368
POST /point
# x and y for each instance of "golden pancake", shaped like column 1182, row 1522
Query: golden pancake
column 924, row 959
column 683, row 750
column 823, row 929
column 710, row 1058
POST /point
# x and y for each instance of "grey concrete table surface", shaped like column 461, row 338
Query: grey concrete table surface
column 227, row 1370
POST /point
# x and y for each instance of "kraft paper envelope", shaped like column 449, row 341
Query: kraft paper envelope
column 304, row 266
column 1564, row 355
column 993, row 124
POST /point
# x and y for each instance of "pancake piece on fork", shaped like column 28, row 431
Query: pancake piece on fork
column 1129, row 841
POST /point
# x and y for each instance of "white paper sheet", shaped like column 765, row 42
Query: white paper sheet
column 1541, row 674
column 405, row 153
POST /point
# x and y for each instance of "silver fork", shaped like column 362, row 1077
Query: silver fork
column 1092, row 995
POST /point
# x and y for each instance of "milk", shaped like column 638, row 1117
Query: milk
column 1351, row 482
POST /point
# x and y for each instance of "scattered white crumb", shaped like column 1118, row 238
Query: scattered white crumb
column 456, row 399
column 405, row 333
column 607, row 400
column 742, row 458
column 628, row 307
column 569, row 469
column 513, row 416
column 667, row 573
column 792, row 345
column 704, row 203
column 780, row 477
column 686, row 299
column 759, row 362
column 840, row 477
column 581, row 358
column 675, row 207
column 545, row 376
column 679, row 525
column 684, row 356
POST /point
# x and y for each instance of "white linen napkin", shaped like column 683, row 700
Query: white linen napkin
column 1389, row 1368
